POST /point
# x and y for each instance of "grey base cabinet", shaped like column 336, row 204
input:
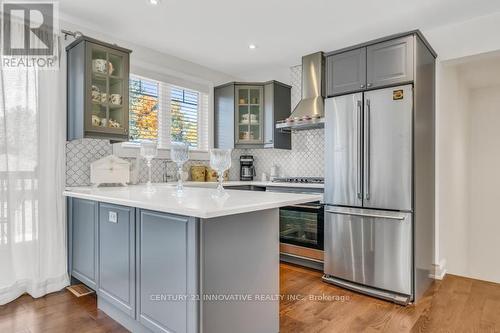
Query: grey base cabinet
column 82, row 217
column 166, row 270
column 141, row 263
column 117, row 256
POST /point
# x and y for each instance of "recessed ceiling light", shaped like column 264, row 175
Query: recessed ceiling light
column 154, row 2
column 252, row 46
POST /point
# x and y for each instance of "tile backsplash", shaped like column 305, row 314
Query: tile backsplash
column 80, row 153
column 304, row 159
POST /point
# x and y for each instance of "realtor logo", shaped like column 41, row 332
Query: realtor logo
column 29, row 34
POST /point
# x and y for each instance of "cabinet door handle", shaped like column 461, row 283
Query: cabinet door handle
column 362, row 86
column 369, row 85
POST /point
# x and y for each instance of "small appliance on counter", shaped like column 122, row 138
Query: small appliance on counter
column 247, row 169
column 110, row 170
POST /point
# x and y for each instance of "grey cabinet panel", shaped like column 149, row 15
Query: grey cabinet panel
column 224, row 117
column 117, row 256
column 346, row 72
column 166, row 266
column 277, row 106
column 83, row 242
column 390, row 62
column 268, row 114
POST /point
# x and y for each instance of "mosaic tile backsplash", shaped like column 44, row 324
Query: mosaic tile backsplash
column 80, row 153
column 305, row 158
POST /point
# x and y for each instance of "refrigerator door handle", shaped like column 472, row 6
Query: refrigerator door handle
column 367, row 150
column 389, row 217
column 360, row 152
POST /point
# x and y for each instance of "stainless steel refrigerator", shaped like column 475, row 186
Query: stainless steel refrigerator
column 369, row 192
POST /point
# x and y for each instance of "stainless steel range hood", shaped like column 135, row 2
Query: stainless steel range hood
column 310, row 111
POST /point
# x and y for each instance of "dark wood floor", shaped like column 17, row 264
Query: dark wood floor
column 455, row 304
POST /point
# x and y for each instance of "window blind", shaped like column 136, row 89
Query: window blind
column 168, row 113
column 143, row 109
column 184, row 116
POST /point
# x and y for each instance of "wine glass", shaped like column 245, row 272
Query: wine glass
column 149, row 150
column 179, row 153
column 220, row 161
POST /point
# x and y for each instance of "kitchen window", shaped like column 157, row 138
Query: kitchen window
column 167, row 113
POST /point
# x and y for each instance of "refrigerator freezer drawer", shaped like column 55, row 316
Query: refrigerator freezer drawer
column 369, row 247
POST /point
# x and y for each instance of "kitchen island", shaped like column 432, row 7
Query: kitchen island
column 199, row 262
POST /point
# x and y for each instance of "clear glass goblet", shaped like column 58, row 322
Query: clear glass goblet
column 149, row 150
column 179, row 153
column 220, row 161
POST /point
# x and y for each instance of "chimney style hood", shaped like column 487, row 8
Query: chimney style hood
column 309, row 113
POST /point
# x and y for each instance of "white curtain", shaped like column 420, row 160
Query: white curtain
column 32, row 210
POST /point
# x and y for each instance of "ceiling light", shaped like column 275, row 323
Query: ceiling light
column 154, row 2
column 252, row 46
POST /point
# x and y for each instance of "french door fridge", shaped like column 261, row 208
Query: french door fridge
column 368, row 192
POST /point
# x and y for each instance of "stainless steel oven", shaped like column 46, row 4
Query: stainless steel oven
column 301, row 229
column 303, row 225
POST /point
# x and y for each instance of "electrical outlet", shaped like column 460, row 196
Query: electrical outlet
column 113, row 217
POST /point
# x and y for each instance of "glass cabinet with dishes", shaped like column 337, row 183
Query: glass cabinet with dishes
column 245, row 115
column 98, row 88
column 249, row 120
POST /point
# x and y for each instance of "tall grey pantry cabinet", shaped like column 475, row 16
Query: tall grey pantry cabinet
column 380, row 176
column 97, row 90
column 245, row 115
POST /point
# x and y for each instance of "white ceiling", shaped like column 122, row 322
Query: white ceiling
column 216, row 33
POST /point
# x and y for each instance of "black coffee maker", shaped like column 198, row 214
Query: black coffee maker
column 247, row 170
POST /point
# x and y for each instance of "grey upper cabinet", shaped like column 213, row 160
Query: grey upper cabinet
column 117, row 256
column 390, row 62
column 371, row 65
column 224, row 116
column 166, row 267
column 245, row 115
column 277, row 106
column 98, row 90
column 346, row 72
column 83, row 240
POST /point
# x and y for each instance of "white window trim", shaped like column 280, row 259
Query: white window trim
column 131, row 149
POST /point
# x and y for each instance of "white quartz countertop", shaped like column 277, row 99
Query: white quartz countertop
column 199, row 202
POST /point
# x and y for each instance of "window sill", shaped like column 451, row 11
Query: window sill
column 131, row 150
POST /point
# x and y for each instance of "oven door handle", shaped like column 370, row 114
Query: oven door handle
column 305, row 206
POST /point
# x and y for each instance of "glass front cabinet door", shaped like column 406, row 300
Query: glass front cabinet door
column 101, row 71
column 249, row 115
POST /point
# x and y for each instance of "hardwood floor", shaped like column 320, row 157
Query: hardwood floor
column 455, row 304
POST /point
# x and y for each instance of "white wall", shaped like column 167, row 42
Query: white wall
column 484, row 184
column 471, row 37
column 157, row 65
column 468, row 164
column 451, row 170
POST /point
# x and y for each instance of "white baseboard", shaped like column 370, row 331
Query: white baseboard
column 439, row 270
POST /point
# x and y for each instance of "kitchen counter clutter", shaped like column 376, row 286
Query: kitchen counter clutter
column 193, row 263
